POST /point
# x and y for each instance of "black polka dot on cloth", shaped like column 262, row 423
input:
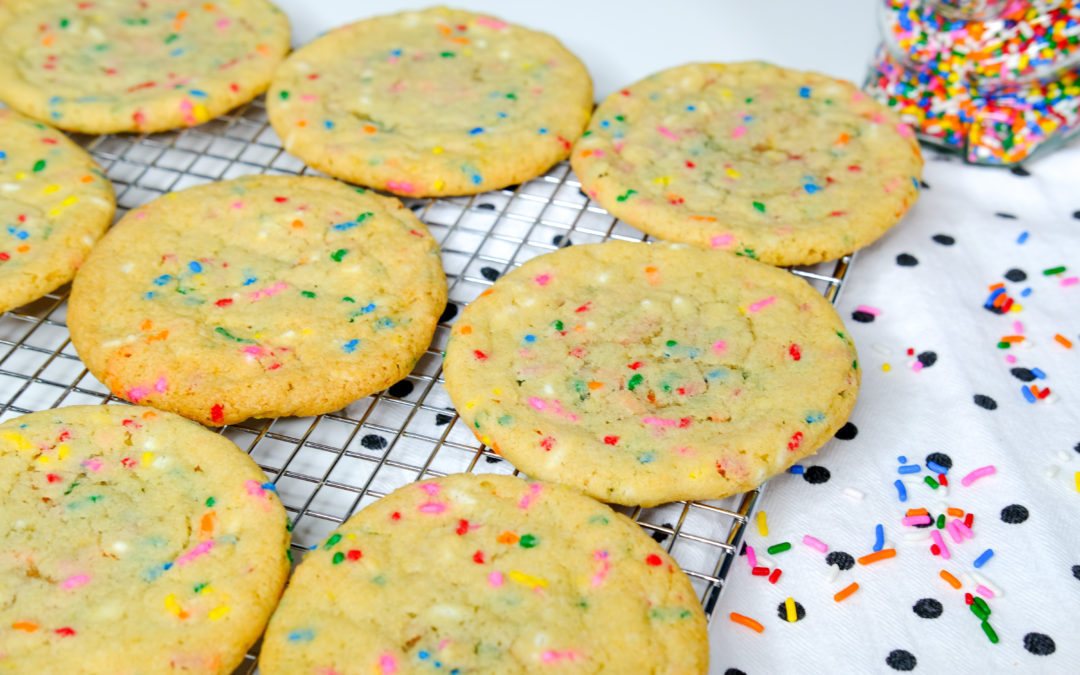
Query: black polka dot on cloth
column 486, row 206
column 1039, row 644
column 373, row 442
column 1076, row 571
column 1077, row 447
column 906, row 260
column 944, row 239
column 1016, row 275
column 984, row 401
column 449, row 313
column 400, row 389
column 492, row 460
column 862, row 317
column 1006, row 216
column 442, row 418
column 489, row 273
column 1014, row 514
column 939, row 458
column 924, row 184
column 927, row 359
column 1076, row 214
column 1020, row 171
column 901, row 659
column 1023, row 374
column 800, row 611
column 928, row 608
column 847, row 432
column 844, row 561
column 561, row 241
column 816, row 475
column 733, row 671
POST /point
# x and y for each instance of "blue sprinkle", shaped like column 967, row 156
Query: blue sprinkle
column 328, row 124
column 250, row 280
column 811, row 188
column 1022, row 238
column 350, row 346
column 501, row 115
column 197, row 92
column 55, row 115
column 936, row 468
column 916, row 182
column 305, row 635
column 149, row 295
column 177, row 52
column 3, row 155
column 476, row 179
column 879, row 537
column 543, row 130
column 1026, row 292
column 20, row 234
column 395, row 52
column 1038, row 373
column 162, row 280
column 422, row 654
column 797, row 469
column 438, row 665
column 605, row 124
column 368, row 308
column 54, row 100
column 909, row 468
column 902, row 459
column 341, row 227
column 815, row 417
column 476, row 130
column 804, row 92
column 691, row 108
column 167, row 566
column 901, row 491
column 645, row 458
column 1028, row 395
column 993, row 296
column 981, row 560
column 195, row 267
column 530, row 338
column 385, row 322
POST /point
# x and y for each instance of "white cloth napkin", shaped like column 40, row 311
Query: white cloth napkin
column 926, row 293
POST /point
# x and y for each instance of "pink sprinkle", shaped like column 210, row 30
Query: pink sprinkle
column 984, row 591
column 430, row 488
column 1018, row 327
column 434, row 508
column 619, row 146
column 161, row 385
column 309, row 97
column 878, row 118
column 761, row 304
column 551, row 656
column 554, row 406
column 666, row 422
column 400, row 186
column 719, row 346
column 605, row 566
column 387, row 664
column 722, row 240
column 956, row 535
column 75, row 581
column 223, row 23
column 917, row 366
column 814, row 543
column 1009, row 358
column 254, row 350
column 751, row 557
column 665, row 132
column 136, row 394
column 936, row 536
column 94, row 464
column 185, row 105
column 202, row 548
column 903, row 129
column 254, row 488
column 443, row 643
column 238, row 205
column 738, row 131
column 1070, row 281
column 490, row 23
column 915, row 520
column 534, row 492
column 140, row 215
column 975, row 475
column 598, row 153
column 964, row 530
column 537, row 403
column 267, row 292
column 496, row 579
column 543, row 279
column 868, row 309
column 857, row 96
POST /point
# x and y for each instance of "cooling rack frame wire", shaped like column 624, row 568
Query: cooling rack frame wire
column 327, row 467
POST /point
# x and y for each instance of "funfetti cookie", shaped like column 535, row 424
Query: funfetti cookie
column 432, row 102
column 54, row 204
column 132, row 541
column 116, row 65
column 258, row 297
column 645, row 373
column 780, row 165
column 487, row 574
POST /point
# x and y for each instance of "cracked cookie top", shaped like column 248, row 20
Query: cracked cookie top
column 433, row 102
column 645, row 373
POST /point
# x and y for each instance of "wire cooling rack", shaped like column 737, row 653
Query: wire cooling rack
column 329, row 466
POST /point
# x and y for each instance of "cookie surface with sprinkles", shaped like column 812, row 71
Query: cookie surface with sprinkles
column 258, row 297
column 112, row 65
column 433, row 102
column 783, row 166
column 645, row 373
column 134, row 541
column 54, row 204
column 484, row 573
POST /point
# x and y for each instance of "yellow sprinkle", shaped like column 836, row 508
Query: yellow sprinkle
column 438, row 149
column 258, row 336
column 200, row 113
column 306, row 331
column 486, row 440
column 662, row 180
column 69, row 200
column 20, row 442
column 694, row 475
column 789, row 606
column 44, row 459
column 206, row 589
column 62, row 451
column 733, row 173
column 217, row 612
column 20, row 175
column 528, row 579
column 726, row 93
column 1016, row 307
column 49, row 189
column 762, row 524
column 172, row 605
column 440, row 184
column 55, row 212
column 147, row 458
column 1078, row 481
column 470, row 404
column 886, row 367
column 496, row 391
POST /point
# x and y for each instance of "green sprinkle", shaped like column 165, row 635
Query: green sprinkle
column 941, row 522
column 979, row 612
column 931, row 482
column 512, row 97
column 527, row 541
column 598, row 520
column 621, row 118
column 1003, row 345
column 199, row 587
column 749, row 100
column 981, row 604
column 210, row 501
column 363, row 216
column 1054, row 270
column 338, row 557
column 671, row 343
column 338, row 254
column 288, row 554
column 64, row 23
column 759, row 206
column 94, row 498
column 223, row 332
column 173, row 37
column 71, row 487
column 779, row 548
column 626, row 195
column 503, row 420
column 347, row 299
column 284, row 95
column 989, row 632
column 447, row 55
column 557, row 324
column 307, row 294
column 635, row 381
column 334, row 539
column 39, row 165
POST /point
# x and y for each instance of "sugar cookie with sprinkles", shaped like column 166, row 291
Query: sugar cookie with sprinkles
column 263, row 296
column 433, row 102
column 484, row 573
column 646, row 373
column 784, row 166
column 134, row 541
column 113, row 65
column 54, row 204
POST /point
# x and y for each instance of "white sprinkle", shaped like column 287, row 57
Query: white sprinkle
column 853, row 493
column 9, row 187
column 646, row 303
column 119, row 547
column 830, row 576
column 1052, row 470
column 603, row 277
column 986, row 582
column 127, row 267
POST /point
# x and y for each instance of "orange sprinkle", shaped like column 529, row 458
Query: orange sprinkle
column 1000, row 300
column 917, row 512
column 369, row 129
column 209, row 7
column 586, row 153
column 846, row 593
column 460, row 40
column 444, row 29
column 23, row 249
column 997, row 286
column 650, row 270
column 28, row 626
column 160, row 336
column 297, row 223
column 843, row 139
column 145, row 325
column 880, row 555
column 952, row 581
column 1064, row 341
column 595, row 385
column 580, row 328
column 47, row 40
column 507, row 538
column 149, row 414
column 302, row 123
column 465, row 330
column 746, row 621
column 954, row 512
column 206, row 525
column 707, row 219
column 87, row 179
column 487, row 292
column 263, row 49
column 1013, row 339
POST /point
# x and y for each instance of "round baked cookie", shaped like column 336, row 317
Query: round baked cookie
column 645, row 373
column 432, row 102
column 133, row 541
column 487, row 574
column 54, row 204
column 115, row 65
column 263, row 296
column 784, row 166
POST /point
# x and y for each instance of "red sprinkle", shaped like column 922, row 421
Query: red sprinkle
column 478, row 557
column 52, row 477
column 480, row 355
column 942, row 479
column 611, row 440
column 65, row 631
column 795, row 442
column 224, row 302
column 279, row 200
column 775, row 576
column 794, row 351
column 633, row 366
column 584, row 308
column 969, row 519
column 654, row 560
column 547, row 442
column 760, row 571
column 462, row 526
column 217, row 413
column 934, row 549
column 354, row 554
column 968, row 598
column 396, row 515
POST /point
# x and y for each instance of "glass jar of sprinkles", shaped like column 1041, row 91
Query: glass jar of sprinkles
column 993, row 80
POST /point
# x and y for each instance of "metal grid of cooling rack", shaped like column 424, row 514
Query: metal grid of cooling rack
column 327, row 467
